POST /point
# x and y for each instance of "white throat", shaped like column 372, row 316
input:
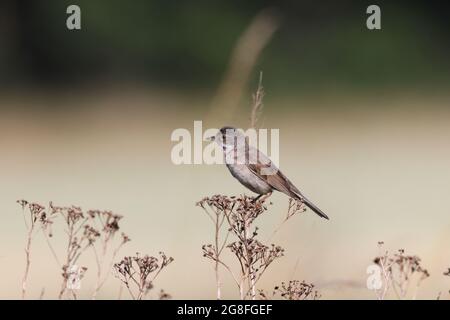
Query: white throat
column 227, row 148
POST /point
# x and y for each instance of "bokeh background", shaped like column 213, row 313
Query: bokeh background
column 364, row 118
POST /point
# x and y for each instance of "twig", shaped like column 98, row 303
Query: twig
column 257, row 103
column 37, row 215
column 27, row 261
column 111, row 264
column 294, row 207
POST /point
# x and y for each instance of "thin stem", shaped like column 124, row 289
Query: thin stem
column 102, row 282
column 249, row 262
column 28, row 261
column 51, row 247
column 216, row 267
column 119, row 295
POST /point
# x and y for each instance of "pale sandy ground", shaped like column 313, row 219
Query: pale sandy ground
column 382, row 174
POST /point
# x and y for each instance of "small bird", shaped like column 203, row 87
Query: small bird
column 254, row 169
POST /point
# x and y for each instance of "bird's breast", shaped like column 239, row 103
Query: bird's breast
column 245, row 176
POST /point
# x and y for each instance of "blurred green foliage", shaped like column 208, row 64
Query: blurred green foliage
column 188, row 43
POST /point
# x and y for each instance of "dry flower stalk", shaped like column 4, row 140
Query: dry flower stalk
column 253, row 256
column 108, row 224
column 36, row 217
column 293, row 290
column 399, row 272
column 140, row 273
column 257, row 103
column 447, row 274
column 294, row 207
column 82, row 233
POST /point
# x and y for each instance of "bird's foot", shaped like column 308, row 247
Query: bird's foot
column 257, row 198
column 262, row 197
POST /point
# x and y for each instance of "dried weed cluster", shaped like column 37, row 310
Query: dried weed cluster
column 399, row 272
column 140, row 273
column 85, row 230
column 235, row 217
column 293, row 290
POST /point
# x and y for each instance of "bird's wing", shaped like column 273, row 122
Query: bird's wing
column 264, row 168
column 278, row 180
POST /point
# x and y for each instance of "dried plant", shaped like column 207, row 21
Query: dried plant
column 253, row 256
column 400, row 272
column 80, row 235
column 257, row 105
column 94, row 229
column 294, row 207
column 109, row 225
column 447, row 274
column 164, row 295
column 140, row 272
column 293, row 290
column 214, row 251
column 35, row 217
column 83, row 230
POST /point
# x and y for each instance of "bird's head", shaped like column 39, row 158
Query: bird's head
column 228, row 137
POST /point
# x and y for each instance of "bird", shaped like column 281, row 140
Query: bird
column 254, row 169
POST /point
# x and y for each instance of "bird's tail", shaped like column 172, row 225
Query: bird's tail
column 313, row 207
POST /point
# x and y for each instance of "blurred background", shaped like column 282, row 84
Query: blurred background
column 86, row 118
